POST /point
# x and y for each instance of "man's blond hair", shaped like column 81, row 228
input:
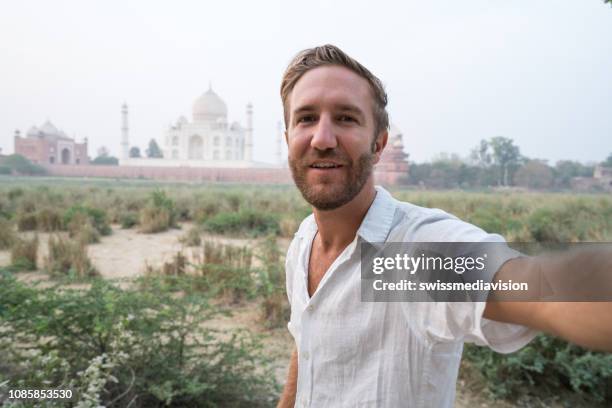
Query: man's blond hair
column 326, row 55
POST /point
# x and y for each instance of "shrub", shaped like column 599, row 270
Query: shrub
column 81, row 228
column 21, row 165
column 24, row 253
column 546, row 365
column 128, row 220
column 191, row 237
column 7, row 234
column 176, row 267
column 288, row 226
column 77, row 214
column 48, row 220
column 225, row 271
column 27, row 221
column 68, row 258
column 117, row 347
column 271, row 284
column 249, row 222
column 159, row 214
column 153, row 220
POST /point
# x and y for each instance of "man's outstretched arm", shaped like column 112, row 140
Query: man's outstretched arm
column 287, row 399
column 587, row 324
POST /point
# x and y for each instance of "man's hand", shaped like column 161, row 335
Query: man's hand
column 587, row 324
column 287, row 399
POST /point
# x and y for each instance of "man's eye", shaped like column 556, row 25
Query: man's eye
column 305, row 119
column 346, row 118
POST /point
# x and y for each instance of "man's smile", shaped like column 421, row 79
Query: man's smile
column 325, row 166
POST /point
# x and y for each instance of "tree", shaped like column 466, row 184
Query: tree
column 135, row 152
column 608, row 161
column 481, row 155
column 506, row 155
column 19, row 164
column 566, row 170
column 103, row 151
column 534, row 174
column 105, row 161
column 153, row 151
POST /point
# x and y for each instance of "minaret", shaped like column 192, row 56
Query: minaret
column 279, row 143
column 248, row 142
column 125, row 144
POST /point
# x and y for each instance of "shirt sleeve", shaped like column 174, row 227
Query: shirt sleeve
column 464, row 320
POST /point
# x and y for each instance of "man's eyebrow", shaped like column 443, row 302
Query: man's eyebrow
column 344, row 108
column 350, row 108
column 305, row 108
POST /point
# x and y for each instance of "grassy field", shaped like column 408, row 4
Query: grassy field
column 77, row 311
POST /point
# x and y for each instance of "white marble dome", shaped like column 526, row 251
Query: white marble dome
column 209, row 106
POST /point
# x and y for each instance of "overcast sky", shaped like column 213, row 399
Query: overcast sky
column 539, row 72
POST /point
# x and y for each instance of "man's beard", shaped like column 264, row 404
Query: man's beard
column 328, row 195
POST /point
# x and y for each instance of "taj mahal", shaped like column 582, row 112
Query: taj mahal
column 208, row 140
column 209, row 147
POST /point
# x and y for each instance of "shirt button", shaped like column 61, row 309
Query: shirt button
column 310, row 308
column 305, row 355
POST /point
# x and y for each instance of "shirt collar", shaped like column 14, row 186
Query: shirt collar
column 375, row 226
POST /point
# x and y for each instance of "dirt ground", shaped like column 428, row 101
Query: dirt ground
column 124, row 255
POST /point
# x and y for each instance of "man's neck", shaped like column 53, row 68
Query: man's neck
column 337, row 228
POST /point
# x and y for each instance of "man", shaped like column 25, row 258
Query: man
column 364, row 354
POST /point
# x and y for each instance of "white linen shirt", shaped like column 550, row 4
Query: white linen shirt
column 384, row 354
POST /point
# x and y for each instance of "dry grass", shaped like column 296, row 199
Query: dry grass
column 288, row 226
column 24, row 253
column 27, row 221
column 192, row 237
column 7, row 234
column 68, row 257
column 176, row 267
column 48, row 220
column 81, row 229
column 155, row 219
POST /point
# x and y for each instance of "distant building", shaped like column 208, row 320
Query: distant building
column 601, row 180
column 49, row 145
column 208, row 140
column 392, row 169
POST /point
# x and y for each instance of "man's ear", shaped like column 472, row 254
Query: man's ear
column 379, row 145
column 286, row 138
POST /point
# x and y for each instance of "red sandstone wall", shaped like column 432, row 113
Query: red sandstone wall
column 274, row 176
column 281, row 176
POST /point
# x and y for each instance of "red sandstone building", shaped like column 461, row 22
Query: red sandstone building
column 392, row 169
column 49, row 145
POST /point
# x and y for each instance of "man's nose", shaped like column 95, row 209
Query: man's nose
column 324, row 137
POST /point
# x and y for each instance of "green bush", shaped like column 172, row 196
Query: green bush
column 77, row 214
column 117, row 347
column 545, row 366
column 21, row 165
column 247, row 222
column 128, row 220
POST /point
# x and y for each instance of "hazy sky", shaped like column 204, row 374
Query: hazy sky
column 539, row 72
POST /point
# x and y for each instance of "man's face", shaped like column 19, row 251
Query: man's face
column 330, row 136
